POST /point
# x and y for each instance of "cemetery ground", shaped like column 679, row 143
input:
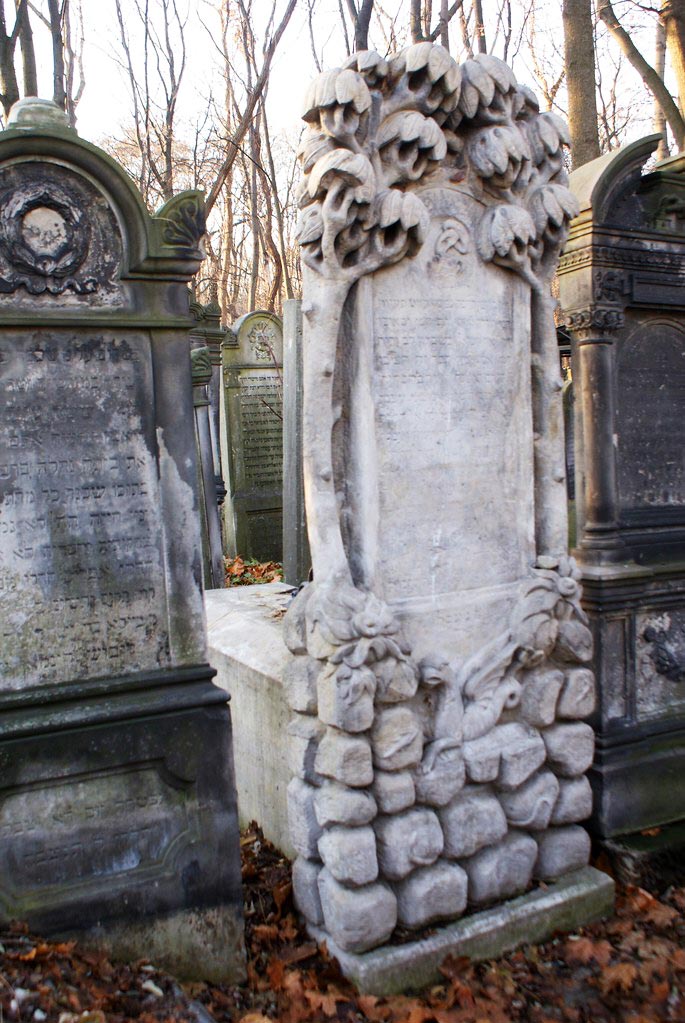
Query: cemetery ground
column 629, row 969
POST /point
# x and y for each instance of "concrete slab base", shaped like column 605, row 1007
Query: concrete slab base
column 577, row 899
column 245, row 639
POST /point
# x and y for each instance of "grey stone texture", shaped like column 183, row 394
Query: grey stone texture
column 305, row 830
column 574, row 802
column 393, row 791
column 561, row 850
column 531, row 805
column 304, row 736
column 570, row 748
column 430, row 894
column 345, row 758
column 578, row 697
column 539, row 696
column 108, row 709
column 299, row 682
column 337, row 804
column 407, row 840
column 306, row 890
column 501, row 870
column 472, row 820
column 357, row 918
column 397, row 739
column 350, row 854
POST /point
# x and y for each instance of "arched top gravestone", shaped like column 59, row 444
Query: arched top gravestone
column 253, row 435
column 116, row 787
column 440, row 653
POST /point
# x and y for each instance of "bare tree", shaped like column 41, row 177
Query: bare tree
column 649, row 74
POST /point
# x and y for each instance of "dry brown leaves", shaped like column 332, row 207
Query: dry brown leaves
column 630, row 969
column 240, row 572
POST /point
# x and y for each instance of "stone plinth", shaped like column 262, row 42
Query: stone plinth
column 118, row 816
column 622, row 281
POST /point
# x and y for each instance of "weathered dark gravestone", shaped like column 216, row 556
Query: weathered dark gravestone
column 296, row 557
column 212, row 550
column 439, row 677
column 622, row 280
column 117, row 798
column 252, row 438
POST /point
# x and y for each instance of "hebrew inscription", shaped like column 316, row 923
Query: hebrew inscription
column 262, row 428
column 81, row 575
column 54, row 834
column 651, row 372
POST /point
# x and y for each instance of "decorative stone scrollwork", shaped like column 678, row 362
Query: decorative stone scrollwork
column 44, row 236
column 185, row 222
column 597, row 320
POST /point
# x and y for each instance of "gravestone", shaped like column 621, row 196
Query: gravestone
column 296, row 558
column 117, row 799
column 212, row 550
column 440, row 671
column 252, row 437
column 207, row 332
column 622, row 281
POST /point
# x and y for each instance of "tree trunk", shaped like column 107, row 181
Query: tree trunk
column 415, row 26
column 481, row 43
column 673, row 17
column 9, row 88
column 660, row 68
column 59, row 94
column 28, row 54
column 579, row 50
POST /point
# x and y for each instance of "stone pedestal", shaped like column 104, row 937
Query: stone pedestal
column 622, row 286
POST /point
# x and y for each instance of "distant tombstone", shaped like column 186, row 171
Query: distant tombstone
column 207, row 332
column 213, row 574
column 440, row 671
column 296, row 557
column 117, row 812
column 623, row 299
column 252, row 436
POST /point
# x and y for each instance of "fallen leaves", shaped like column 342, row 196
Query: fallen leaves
column 247, row 572
column 628, row 970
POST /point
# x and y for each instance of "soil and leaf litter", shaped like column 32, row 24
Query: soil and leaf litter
column 630, row 969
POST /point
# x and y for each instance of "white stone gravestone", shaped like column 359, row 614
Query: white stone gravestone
column 439, row 678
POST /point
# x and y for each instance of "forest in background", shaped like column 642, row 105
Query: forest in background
column 207, row 91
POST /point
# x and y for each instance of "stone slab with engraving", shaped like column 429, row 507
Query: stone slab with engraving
column 439, row 656
column 252, row 436
column 622, row 286
column 117, row 800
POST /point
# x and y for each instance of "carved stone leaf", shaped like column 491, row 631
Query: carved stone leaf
column 504, row 228
column 547, row 133
column 491, row 150
column 469, row 99
column 478, row 77
column 500, row 72
column 309, row 226
column 341, row 86
column 352, row 168
column 552, row 204
column 313, row 146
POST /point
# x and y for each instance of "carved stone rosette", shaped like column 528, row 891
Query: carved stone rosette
column 424, row 783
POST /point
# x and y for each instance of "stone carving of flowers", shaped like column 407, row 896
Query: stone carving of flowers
column 434, row 78
column 337, row 99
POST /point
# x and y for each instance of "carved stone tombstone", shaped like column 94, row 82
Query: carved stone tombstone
column 213, row 575
column 117, row 799
column 252, row 437
column 622, row 281
column 440, row 674
column 296, row 558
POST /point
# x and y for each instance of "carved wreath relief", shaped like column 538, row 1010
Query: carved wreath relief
column 423, row 785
